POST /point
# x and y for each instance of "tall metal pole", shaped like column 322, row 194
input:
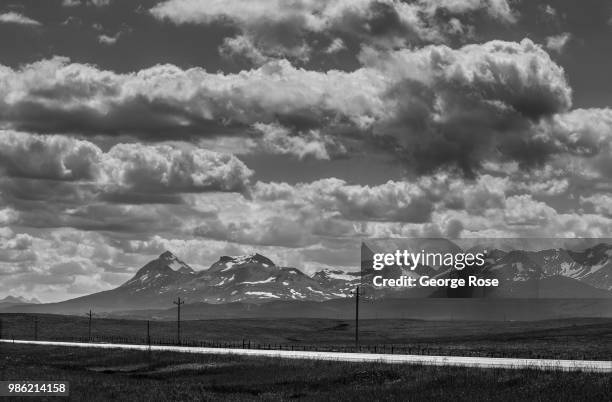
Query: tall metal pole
column 178, row 321
column 357, row 319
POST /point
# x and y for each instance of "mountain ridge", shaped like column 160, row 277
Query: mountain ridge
column 10, row 299
column 256, row 279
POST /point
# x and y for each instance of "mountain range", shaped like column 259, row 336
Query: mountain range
column 252, row 280
column 17, row 300
column 549, row 273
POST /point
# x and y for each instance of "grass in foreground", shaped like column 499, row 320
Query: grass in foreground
column 141, row 376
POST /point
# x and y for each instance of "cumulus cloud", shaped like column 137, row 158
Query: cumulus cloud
column 8, row 216
column 163, row 168
column 586, row 136
column 12, row 17
column 306, row 214
column 432, row 106
column 601, row 203
column 413, row 202
column 47, row 157
column 279, row 29
column 57, row 94
column 243, row 46
column 277, row 139
column 133, row 167
column 395, row 201
column 438, row 205
column 524, row 210
column 270, row 214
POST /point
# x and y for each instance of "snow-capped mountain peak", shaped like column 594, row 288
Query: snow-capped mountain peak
column 226, row 263
column 175, row 263
column 163, row 271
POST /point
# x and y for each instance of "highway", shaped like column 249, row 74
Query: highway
column 459, row 361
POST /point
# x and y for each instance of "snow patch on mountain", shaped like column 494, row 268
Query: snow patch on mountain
column 270, row 279
column 263, row 294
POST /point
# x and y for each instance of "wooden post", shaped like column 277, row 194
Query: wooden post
column 178, row 321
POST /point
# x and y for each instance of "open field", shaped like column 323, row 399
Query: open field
column 134, row 375
column 438, row 309
column 588, row 339
column 591, row 366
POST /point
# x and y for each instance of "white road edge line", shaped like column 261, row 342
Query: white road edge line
column 459, row 361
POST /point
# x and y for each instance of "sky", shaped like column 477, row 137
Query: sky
column 292, row 128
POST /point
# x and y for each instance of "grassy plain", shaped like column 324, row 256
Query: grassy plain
column 140, row 376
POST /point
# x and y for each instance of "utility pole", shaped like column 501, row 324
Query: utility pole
column 35, row 328
column 89, row 332
column 178, row 321
column 149, row 334
column 357, row 319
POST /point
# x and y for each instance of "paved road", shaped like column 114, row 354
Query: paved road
column 480, row 362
